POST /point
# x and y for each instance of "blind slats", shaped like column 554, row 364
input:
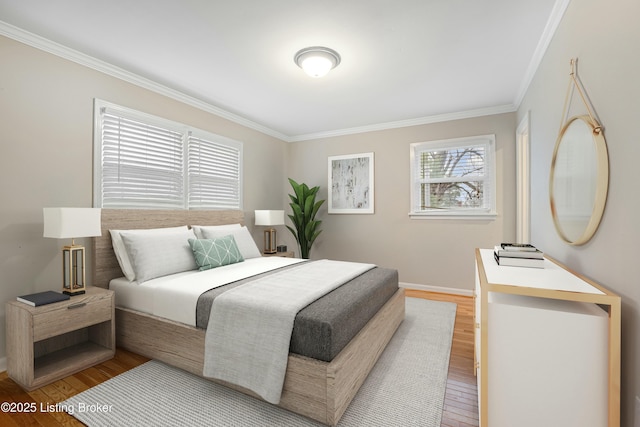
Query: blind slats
column 142, row 165
column 149, row 162
column 214, row 174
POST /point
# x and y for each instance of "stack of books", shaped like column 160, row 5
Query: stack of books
column 518, row 255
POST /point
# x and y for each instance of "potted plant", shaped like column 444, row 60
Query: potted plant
column 304, row 206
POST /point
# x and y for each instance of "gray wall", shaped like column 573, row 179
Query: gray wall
column 428, row 252
column 46, row 145
column 605, row 37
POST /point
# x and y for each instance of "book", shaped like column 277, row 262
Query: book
column 537, row 254
column 42, row 298
column 518, row 262
column 518, row 247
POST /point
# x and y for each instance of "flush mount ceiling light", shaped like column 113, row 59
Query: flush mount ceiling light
column 317, row 61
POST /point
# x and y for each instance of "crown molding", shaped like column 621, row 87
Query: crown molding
column 550, row 28
column 509, row 108
column 65, row 52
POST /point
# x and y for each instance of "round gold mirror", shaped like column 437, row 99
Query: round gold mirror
column 579, row 180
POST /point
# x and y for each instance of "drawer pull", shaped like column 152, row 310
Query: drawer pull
column 78, row 305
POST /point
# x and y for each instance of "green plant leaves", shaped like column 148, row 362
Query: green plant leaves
column 304, row 209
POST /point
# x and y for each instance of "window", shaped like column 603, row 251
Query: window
column 143, row 161
column 454, row 177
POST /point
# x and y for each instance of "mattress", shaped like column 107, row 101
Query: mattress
column 321, row 330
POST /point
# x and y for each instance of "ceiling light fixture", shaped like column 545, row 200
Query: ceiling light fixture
column 317, row 61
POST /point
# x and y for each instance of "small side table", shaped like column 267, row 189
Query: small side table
column 288, row 254
column 52, row 341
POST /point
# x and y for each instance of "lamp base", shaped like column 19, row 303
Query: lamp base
column 270, row 241
column 73, row 276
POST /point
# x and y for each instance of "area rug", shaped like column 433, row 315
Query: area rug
column 405, row 388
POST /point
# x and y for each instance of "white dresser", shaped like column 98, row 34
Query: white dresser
column 547, row 347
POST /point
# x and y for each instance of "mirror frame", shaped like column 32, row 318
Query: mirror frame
column 602, row 181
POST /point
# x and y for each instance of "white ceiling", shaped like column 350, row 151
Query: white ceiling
column 403, row 62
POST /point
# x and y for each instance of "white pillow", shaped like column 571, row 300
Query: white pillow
column 121, row 251
column 245, row 242
column 153, row 255
column 198, row 228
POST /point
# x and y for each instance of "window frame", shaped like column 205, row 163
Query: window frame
column 149, row 119
column 487, row 212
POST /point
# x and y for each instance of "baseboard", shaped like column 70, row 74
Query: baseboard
column 3, row 364
column 439, row 289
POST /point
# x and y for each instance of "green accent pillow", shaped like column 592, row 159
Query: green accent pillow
column 212, row 253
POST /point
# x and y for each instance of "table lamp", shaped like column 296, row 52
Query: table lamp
column 270, row 218
column 72, row 223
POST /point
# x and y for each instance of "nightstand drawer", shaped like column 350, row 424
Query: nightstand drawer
column 77, row 313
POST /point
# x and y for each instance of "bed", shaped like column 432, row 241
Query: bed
column 318, row 389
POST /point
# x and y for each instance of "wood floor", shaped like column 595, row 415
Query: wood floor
column 460, row 406
column 461, row 398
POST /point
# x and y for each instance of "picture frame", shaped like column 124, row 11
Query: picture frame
column 351, row 184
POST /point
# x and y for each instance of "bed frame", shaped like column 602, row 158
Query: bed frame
column 313, row 388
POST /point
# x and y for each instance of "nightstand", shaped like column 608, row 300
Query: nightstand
column 52, row 341
column 289, row 254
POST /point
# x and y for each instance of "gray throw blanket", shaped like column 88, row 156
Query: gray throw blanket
column 247, row 340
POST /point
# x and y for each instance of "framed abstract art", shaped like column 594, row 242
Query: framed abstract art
column 351, row 184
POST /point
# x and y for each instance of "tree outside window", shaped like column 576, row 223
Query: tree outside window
column 453, row 176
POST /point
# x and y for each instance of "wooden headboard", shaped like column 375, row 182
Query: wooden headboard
column 105, row 264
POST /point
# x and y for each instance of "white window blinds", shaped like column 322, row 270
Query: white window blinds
column 214, row 173
column 142, row 165
column 453, row 177
column 142, row 161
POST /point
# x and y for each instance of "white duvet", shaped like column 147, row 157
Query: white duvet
column 175, row 297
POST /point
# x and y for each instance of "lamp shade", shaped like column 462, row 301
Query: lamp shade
column 70, row 223
column 269, row 217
